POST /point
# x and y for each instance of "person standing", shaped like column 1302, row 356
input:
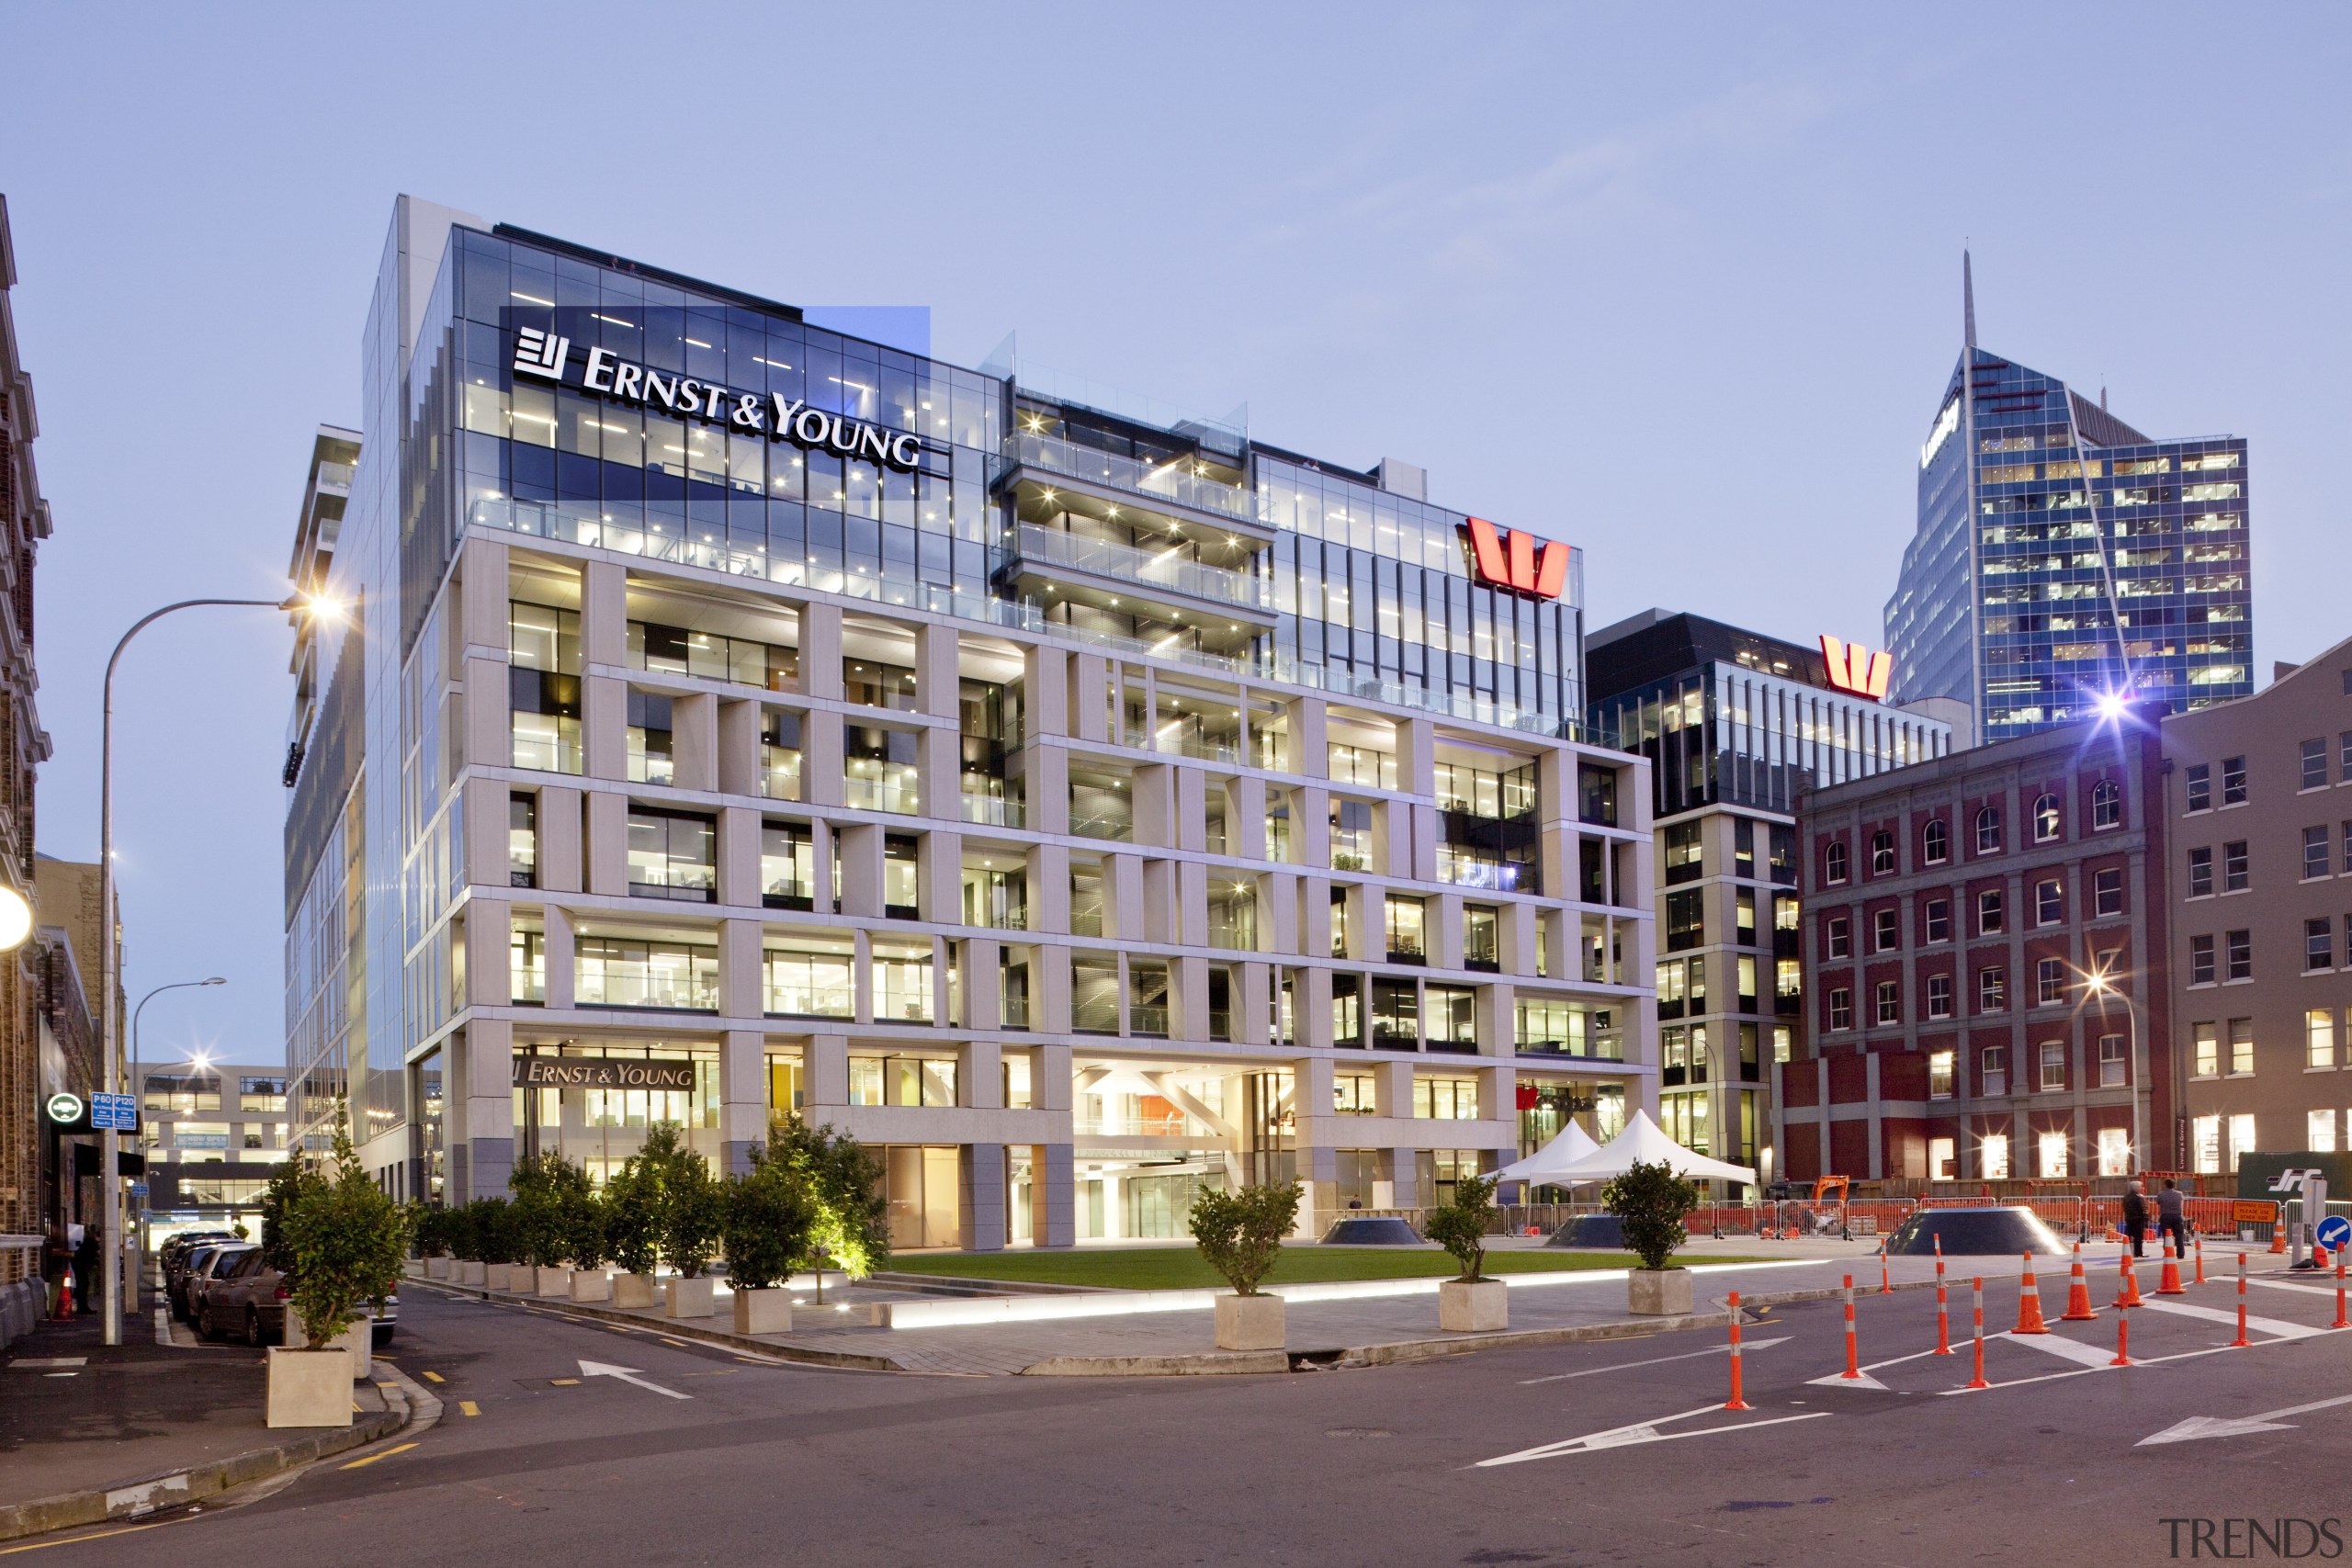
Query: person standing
column 2135, row 1218
column 2172, row 1216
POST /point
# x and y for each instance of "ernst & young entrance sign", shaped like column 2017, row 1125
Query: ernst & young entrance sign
column 601, row 1072
column 548, row 357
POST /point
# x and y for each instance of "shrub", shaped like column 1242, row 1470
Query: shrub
column 1241, row 1232
column 546, row 1209
column 633, row 1201
column 844, row 1180
column 1462, row 1227
column 581, row 1215
column 429, row 1224
column 294, row 1179
column 1650, row 1200
column 770, row 1217
column 489, row 1221
column 348, row 1240
column 694, row 1207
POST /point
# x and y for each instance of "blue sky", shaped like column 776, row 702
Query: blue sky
column 1679, row 283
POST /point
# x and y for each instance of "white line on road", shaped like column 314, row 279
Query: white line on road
column 2278, row 1327
column 2198, row 1426
column 626, row 1374
column 1639, row 1432
column 1653, row 1361
column 2066, row 1349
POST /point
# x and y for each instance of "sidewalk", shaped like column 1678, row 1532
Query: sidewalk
column 89, row 1433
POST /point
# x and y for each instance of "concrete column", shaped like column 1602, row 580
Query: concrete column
column 607, row 851
column 825, row 1073
column 1314, row 916
column 1310, row 829
column 1045, row 681
column 1153, row 804
column 980, row 1196
column 1049, row 986
column 487, row 804
column 1188, row 999
column 938, row 655
column 1417, row 757
column 742, row 1093
column 1423, row 865
column 939, row 877
column 1053, row 1212
column 1163, row 905
column 739, row 856
column 1191, row 809
column 603, row 726
column 1278, row 912
column 1311, row 994
column 604, row 613
column 489, row 1091
column 821, row 650
column 483, row 595
column 1045, row 777
column 489, row 931
column 823, row 755
column 823, row 892
column 1516, row 930
column 694, row 740
column 1089, row 697
column 1310, row 752
column 1123, row 898
column 861, row 976
column 562, row 868
column 1444, row 935
column 559, row 951
column 742, row 978
column 1191, row 912
column 738, row 748
column 978, row 961
column 861, row 858
column 1245, row 818
column 488, row 736
column 1048, row 874
column 1252, row 1003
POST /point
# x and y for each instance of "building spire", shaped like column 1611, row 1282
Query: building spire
column 1967, row 301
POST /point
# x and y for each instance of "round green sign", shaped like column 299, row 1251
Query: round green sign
column 65, row 1108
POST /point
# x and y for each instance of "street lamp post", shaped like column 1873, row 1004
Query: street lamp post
column 138, row 1079
column 109, row 958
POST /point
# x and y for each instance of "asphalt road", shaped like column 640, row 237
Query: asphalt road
column 767, row 1464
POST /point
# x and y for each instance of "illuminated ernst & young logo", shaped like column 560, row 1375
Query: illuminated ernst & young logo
column 1853, row 668
column 1510, row 560
column 546, row 356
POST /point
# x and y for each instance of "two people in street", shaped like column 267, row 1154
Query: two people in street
column 2169, row 1212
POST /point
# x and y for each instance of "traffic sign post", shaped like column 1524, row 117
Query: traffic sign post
column 113, row 1113
column 2334, row 1233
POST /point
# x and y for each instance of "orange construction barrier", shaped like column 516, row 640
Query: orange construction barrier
column 1853, row 1366
column 1736, row 1401
column 2078, row 1293
column 2170, row 1284
column 2241, row 1342
column 1976, row 1287
column 2030, row 1303
column 2131, row 1294
column 2122, row 1343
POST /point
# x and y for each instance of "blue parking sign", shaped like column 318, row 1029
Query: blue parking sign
column 2334, row 1232
column 113, row 1113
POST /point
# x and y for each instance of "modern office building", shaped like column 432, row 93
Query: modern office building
column 1985, row 961
column 1079, row 806
column 2259, row 797
column 1737, row 726
column 2060, row 554
column 212, row 1132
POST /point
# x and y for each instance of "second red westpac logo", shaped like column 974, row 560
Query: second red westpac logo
column 1510, row 560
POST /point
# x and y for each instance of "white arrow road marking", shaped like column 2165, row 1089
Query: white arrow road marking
column 1653, row 1361
column 2198, row 1426
column 1639, row 1432
column 2276, row 1327
column 626, row 1374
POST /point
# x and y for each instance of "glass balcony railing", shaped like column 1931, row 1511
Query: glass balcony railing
column 993, row 810
column 1159, row 568
column 1170, row 481
column 872, row 792
column 1143, row 1019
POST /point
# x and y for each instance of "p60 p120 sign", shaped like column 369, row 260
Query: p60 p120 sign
column 1518, row 561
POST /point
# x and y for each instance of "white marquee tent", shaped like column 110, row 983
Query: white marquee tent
column 1537, row 1169
column 1642, row 1142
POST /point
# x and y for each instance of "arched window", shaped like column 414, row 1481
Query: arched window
column 1934, row 842
column 2107, row 805
column 1881, row 854
column 2045, row 818
column 1837, row 863
column 1988, row 830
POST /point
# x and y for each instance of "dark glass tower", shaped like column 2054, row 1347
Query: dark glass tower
column 2061, row 554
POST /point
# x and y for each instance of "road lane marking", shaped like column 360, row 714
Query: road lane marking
column 2066, row 1349
column 98, row 1535
column 2277, row 1326
column 679, row 1343
column 470, row 1407
column 1638, row 1433
column 436, row 1377
column 371, row 1459
column 627, row 1375
column 564, row 1383
column 2198, row 1426
column 1627, row 1366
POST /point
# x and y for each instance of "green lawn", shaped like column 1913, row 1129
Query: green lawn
column 1181, row 1268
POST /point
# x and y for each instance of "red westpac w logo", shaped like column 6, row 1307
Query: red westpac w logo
column 1509, row 560
column 1853, row 668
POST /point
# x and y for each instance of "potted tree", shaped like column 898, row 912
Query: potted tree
column 1471, row 1303
column 465, row 1239
column 693, row 1209
column 1241, row 1234
column 1649, row 1201
column 539, row 1184
column 633, row 1216
column 346, row 1240
column 844, row 1180
column 491, row 1222
column 433, row 1239
column 770, row 1216
column 583, row 1239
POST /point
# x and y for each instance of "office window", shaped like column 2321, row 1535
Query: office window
column 1743, row 846
column 523, row 840
column 2319, row 1037
column 1996, row 1152
column 2347, row 848
column 2049, row 981
column 1994, row 1068
column 2319, row 945
column 2319, row 1130
column 1680, row 841
column 2107, row 891
column 1940, row 1075
column 2344, row 754
column 1992, row 988
column 1407, row 920
column 1889, row 1002
column 1834, row 862
column 2205, row 1138
column 2201, row 787
column 2050, row 1151
column 1743, row 917
column 788, row 867
column 1988, row 912
column 1686, row 919
column 673, row 855
column 2048, row 903
column 1783, row 1042
column 1938, row 996
column 2240, row 947
column 2311, row 764
column 1841, row 1008
column 2200, row 961
column 2201, row 873
column 1884, row 931
column 2114, row 1054
column 2241, row 1138
column 2106, row 806
column 1481, row 940
column 542, row 687
column 2234, row 781
column 2315, row 857
column 1744, row 972
column 1939, row 920
column 1837, row 936
column 2236, row 872
column 2114, row 1151
column 1881, row 854
column 2205, row 1050
column 2054, row 1064
column 1934, row 842
column 1988, row 830
column 2045, row 818
column 2240, row 1046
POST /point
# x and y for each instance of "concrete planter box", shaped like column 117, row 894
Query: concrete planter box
column 1250, row 1323
column 1663, row 1292
column 764, row 1311
column 633, row 1290
column 494, row 1275
column 691, row 1298
column 414, row 1268
column 1473, row 1307
column 591, row 1284
column 471, row 1273
column 437, row 1267
column 554, row 1282
column 356, row 1342
column 308, row 1388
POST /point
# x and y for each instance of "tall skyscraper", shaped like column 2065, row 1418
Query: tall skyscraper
column 2061, row 554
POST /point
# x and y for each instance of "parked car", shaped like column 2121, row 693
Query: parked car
column 214, row 1260
column 173, row 1256
column 246, row 1299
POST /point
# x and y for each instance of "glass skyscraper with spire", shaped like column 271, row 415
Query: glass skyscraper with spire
column 2061, row 554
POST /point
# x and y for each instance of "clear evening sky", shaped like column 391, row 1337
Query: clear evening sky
column 1679, row 283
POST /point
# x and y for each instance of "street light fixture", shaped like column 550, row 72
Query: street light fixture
column 319, row 608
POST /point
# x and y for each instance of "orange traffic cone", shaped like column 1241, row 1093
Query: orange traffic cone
column 2030, row 1303
column 2170, row 1284
column 2200, row 1260
column 2078, row 1293
column 2131, row 1296
column 2278, row 1237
